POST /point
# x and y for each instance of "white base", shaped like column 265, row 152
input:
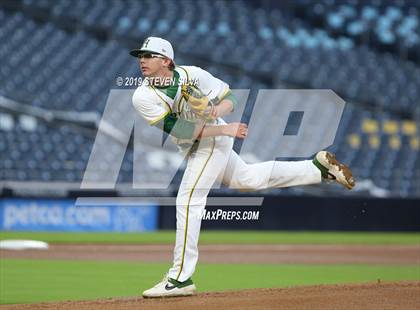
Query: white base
column 23, row 245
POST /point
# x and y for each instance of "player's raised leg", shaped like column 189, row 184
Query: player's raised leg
column 269, row 174
column 277, row 174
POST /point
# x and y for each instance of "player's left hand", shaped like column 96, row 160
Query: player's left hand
column 197, row 101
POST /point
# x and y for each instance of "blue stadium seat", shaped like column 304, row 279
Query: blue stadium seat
column 359, row 49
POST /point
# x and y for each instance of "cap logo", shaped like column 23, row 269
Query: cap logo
column 145, row 43
column 163, row 50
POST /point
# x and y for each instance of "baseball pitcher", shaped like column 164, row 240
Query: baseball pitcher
column 188, row 103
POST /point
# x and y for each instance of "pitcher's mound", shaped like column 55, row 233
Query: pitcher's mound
column 390, row 295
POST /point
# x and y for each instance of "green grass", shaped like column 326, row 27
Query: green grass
column 26, row 281
column 212, row 237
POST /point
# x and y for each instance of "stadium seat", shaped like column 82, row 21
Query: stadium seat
column 366, row 51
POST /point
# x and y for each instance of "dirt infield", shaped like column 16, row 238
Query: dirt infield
column 389, row 295
column 293, row 254
column 393, row 295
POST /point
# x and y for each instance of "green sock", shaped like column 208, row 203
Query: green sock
column 180, row 284
column 324, row 171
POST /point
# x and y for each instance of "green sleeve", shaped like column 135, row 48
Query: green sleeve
column 230, row 96
column 176, row 127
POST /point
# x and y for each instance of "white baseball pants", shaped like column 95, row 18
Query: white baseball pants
column 215, row 160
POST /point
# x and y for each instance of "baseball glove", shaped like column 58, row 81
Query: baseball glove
column 197, row 100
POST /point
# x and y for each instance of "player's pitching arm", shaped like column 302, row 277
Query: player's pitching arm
column 225, row 106
column 236, row 130
column 184, row 129
column 192, row 130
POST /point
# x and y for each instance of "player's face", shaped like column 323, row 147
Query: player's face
column 151, row 65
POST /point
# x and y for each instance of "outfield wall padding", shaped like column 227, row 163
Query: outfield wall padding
column 317, row 213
